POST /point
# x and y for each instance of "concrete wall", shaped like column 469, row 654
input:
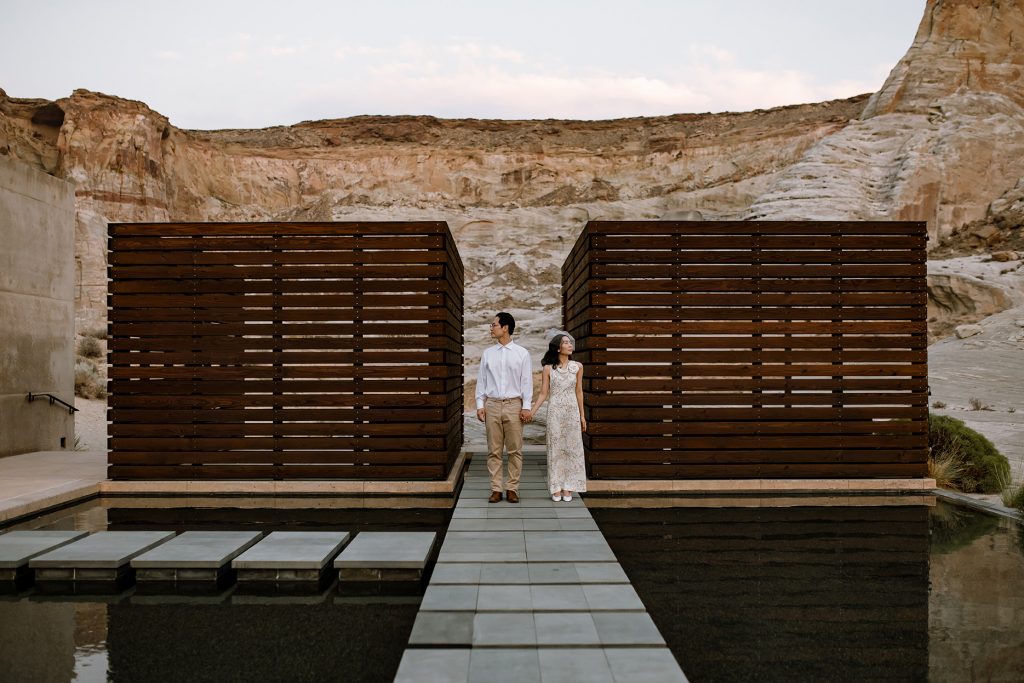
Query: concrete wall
column 37, row 317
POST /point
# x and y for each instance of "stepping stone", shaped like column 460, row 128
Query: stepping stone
column 18, row 547
column 194, row 556
column 386, row 556
column 104, row 556
column 290, row 556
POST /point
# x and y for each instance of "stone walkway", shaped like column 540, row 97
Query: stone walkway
column 36, row 481
column 530, row 592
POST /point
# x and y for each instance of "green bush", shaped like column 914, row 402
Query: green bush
column 1015, row 499
column 981, row 467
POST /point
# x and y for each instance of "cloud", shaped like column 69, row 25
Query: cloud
column 277, row 51
column 472, row 79
column 238, row 56
column 346, row 51
column 167, row 54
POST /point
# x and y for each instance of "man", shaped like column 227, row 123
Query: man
column 504, row 392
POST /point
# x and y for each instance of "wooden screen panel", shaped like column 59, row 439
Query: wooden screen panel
column 719, row 350
column 284, row 351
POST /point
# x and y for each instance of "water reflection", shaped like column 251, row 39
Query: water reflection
column 976, row 607
column 829, row 593
column 226, row 635
column 782, row 593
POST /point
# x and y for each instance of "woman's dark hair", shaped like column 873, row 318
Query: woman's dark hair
column 506, row 320
column 551, row 355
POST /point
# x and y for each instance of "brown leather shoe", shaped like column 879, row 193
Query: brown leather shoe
column 512, row 496
column 495, row 497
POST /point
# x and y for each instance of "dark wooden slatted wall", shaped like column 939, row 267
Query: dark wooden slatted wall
column 751, row 349
column 284, row 351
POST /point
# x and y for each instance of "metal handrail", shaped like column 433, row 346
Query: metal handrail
column 53, row 399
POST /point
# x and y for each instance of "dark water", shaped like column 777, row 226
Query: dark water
column 797, row 594
column 829, row 593
column 224, row 636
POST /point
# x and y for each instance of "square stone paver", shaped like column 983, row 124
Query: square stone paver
column 469, row 513
column 564, row 598
column 440, row 598
column 456, row 573
column 504, row 599
column 566, row 628
column 567, row 546
column 572, row 665
column 498, row 664
column 442, row 628
column 388, row 550
column 601, row 572
column 612, row 597
column 485, row 524
column 437, row 666
column 644, row 665
column 504, row 629
column 577, row 524
column 553, row 572
column 505, row 573
column 627, row 628
column 18, row 547
column 483, row 546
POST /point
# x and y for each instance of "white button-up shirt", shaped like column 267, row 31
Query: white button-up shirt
column 505, row 372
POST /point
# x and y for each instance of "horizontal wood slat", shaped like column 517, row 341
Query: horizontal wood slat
column 743, row 349
column 284, row 350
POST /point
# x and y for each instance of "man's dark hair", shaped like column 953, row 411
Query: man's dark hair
column 506, row 320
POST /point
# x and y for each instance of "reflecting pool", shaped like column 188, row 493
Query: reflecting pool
column 231, row 634
column 829, row 593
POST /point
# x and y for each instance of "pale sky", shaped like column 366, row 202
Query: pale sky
column 257, row 63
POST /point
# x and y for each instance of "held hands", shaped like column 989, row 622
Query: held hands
column 525, row 416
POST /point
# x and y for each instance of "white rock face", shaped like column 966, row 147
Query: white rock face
column 943, row 167
column 964, row 331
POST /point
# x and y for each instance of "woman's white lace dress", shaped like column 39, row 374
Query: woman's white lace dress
column 566, row 467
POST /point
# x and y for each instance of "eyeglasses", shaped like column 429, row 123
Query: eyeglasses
column 495, row 324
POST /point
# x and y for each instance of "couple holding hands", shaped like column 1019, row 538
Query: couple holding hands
column 504, row 402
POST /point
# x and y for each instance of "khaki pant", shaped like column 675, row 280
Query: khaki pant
column 504, row 429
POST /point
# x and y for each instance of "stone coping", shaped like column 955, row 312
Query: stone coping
column 306, row 487
column 972, row 501
column 765, row 486
column 811, row 499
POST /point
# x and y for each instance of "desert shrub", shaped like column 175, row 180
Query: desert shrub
column 981, row 467
column 978, row 404
column 1013, row 497
column 89, row 347
column 939, row 404
column 89, row 383
column 97, row 333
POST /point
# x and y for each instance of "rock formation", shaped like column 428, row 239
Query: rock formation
column 942, row 141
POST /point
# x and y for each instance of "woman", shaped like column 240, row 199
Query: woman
column 563, row 382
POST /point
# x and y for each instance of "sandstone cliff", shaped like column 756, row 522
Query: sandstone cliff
column 942, row 141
